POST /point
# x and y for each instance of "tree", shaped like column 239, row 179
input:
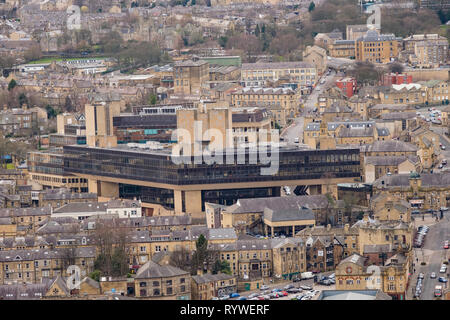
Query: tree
column 68, row 105
column 152, row 99
column 112, row 242
column 257, row 31
column 221, row 266
column 34, row 53
column 181, row 258
column 311, row 7
column 95, row 275
column 223, row 41
column 200, row 259
column 51, row 112
column 12, row 84
column 396, row 68
column 364, row 72
column 23, row 99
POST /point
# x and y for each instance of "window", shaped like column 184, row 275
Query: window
column 143, row 292
column 168, row 282
column 142, row 284
column 183, row 288
column 156, row 292
column 169, row 290
column 156, row 283
column 182, row 280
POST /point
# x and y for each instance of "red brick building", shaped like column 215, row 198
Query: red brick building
column 395, row 78
column 347, row 85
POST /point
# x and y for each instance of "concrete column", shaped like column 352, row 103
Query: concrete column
column 109, row 189
column 178, row 201
column 194, row 203
column 293, row 230
column 265, row 230
column 93, row 186
column 315, row 189
column 271, row 231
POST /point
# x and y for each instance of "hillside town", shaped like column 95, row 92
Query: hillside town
column 224, row 150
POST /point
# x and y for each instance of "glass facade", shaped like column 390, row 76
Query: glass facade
column 159, row 167
column 160, row 196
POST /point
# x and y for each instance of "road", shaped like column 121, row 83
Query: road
column 434, row 255
column 295, row 130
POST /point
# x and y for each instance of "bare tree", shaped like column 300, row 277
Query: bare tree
column 112, row 242
column 181, row 258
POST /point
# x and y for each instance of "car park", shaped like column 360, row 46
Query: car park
column 306, row 287
column 289, row 286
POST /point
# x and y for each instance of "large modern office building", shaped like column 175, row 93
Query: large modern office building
column 182, row 184
column 153, row 177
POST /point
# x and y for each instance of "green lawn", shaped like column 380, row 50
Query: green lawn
column 49, row 60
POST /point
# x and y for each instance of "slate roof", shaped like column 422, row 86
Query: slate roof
column 258, row 205
column 153, row 270
column 276, row 65
column 441, row 179
column 390, row 146
column 206, row 278
column 295, row 214
column 20, row 212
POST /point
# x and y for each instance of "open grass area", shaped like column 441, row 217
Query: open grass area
column 50, row 59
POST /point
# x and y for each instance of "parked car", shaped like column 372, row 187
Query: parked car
column 433, row 275
column 264, row 287
column 443, row 269
column 421, row 276
column 242, row 298
column 289, row 286
column 443, row 279
column 306, row 287
column 446, row 244
column 224, row 298
column 234, row 295
column 253, row 295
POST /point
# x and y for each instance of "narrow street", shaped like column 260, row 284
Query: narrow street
column 434, row 255
column 295, row 130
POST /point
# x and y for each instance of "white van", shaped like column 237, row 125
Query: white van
column 307, row 275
